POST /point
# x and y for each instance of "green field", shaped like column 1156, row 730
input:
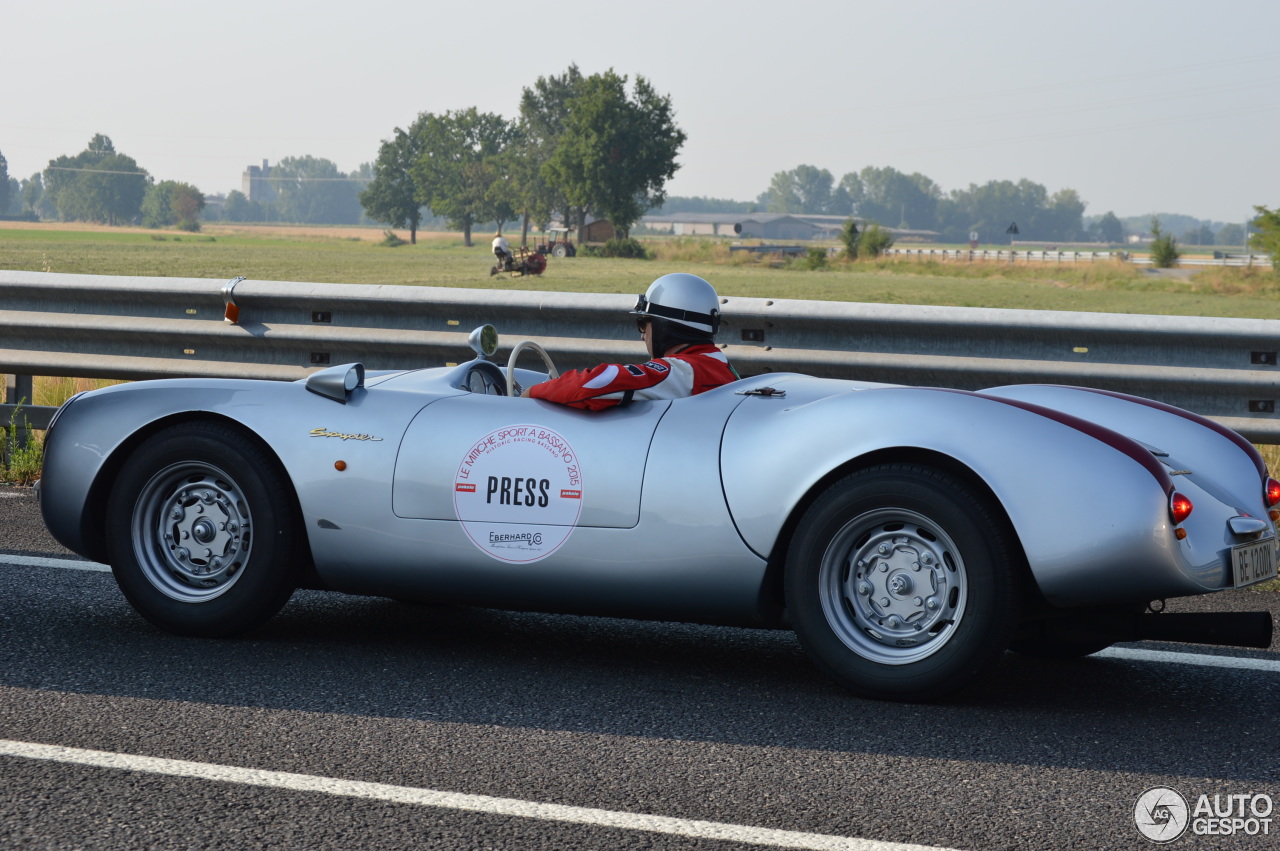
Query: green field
column 353, row 255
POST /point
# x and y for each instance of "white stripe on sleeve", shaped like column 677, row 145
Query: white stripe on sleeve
column 604, row 379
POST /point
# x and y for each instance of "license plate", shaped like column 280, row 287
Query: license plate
column 1255, row 562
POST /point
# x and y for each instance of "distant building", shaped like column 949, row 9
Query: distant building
column 751, row 225
column 255, row 183
column 598, row 230
column 768, row 226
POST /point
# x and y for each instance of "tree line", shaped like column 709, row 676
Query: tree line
column 915, row 202
column 580, row 145
column 599, row 145
column 100, row 184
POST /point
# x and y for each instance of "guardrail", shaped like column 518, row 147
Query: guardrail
column 770, row 249
column 1015, row 256
column 130, row 328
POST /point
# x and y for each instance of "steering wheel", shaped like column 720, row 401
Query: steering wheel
column 515, row 354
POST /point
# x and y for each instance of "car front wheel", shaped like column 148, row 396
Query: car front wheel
column 201, row 531
column 902, row 582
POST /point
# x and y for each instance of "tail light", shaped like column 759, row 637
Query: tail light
column 1180, row 507
column 1272, row 492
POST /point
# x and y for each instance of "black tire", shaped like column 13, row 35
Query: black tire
column 903, row 582
column 202, row 531
column 559, row 251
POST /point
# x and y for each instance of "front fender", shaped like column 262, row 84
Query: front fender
column 99, row 431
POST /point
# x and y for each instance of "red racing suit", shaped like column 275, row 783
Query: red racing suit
column 691, row 371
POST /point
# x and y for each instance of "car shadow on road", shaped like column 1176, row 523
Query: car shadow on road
column 380, row 658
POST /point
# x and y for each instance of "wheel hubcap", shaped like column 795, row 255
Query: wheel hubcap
column 893, row 586
column 192, row 531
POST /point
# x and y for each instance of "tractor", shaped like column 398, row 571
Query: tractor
column 556, row 242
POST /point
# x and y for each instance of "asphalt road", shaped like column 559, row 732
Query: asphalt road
column 610, row 719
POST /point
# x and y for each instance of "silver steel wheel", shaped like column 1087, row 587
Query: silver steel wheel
column 893, row 586
column 192, row 532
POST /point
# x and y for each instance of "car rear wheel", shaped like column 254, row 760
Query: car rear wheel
column 201, row 531
column 902, row 582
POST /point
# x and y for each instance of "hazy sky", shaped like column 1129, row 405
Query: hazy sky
column 1140, row 105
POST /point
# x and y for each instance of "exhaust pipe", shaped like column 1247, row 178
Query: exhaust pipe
column 1228, row 629
column 1232, row 629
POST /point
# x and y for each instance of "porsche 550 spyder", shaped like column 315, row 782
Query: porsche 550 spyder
column 909, row 536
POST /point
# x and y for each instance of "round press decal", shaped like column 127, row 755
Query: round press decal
column 518, row 493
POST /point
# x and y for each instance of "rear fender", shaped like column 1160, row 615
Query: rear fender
column 1093, row 521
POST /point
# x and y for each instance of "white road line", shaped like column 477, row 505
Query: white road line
column 451, row 800
column 64, row 563
column 9, row 495
column 1131, row 654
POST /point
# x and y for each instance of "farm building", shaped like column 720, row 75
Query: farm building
column 597, row 230
column 751, row 225
column 770, row 226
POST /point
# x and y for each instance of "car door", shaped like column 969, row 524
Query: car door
column 521, row 474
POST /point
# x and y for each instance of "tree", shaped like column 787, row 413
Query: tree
column 701, row 204
column 4, row 185
column 1110, row 228
column 155, row 206
column 171, row 203
column 35, row 201
column 1202, row 235
column 391, row 196
column 873, row 241
column 1231, row 234
column 186, row 202
column 97, row 185
column 888, row 195
column 544, row 111
column 312, row 190
column 993, row 207
column 849, row 238
column 1266, row 236
column 804, row 189
column 1164, row 248
column 238, row 208
column 457, row 167
column 617, row 151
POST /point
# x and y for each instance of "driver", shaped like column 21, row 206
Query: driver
column 502, row 250
column 678, row 317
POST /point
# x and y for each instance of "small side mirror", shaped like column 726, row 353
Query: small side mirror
column 337, row 382
column 484, row 341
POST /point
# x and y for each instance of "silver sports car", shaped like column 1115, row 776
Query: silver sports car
column 909, row 535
